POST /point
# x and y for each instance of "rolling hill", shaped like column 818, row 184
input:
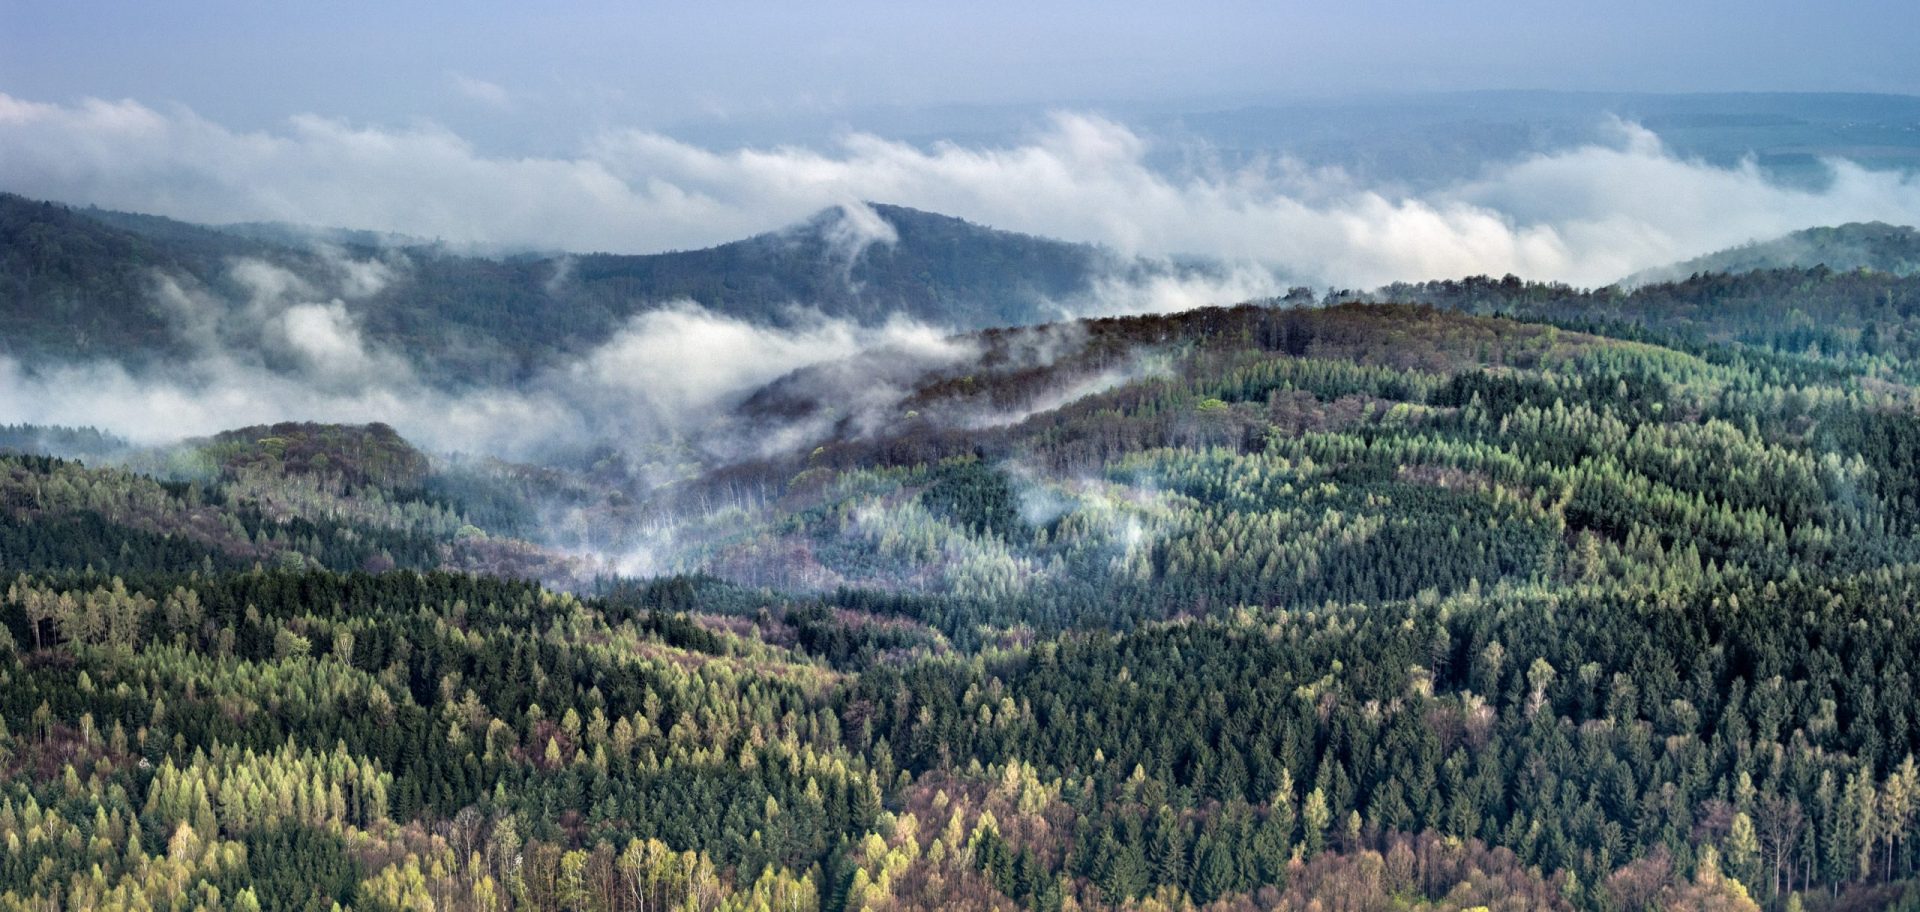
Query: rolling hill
column 1441, row 599
column 1480, row 594
column 86, row 283
column 1870, row 246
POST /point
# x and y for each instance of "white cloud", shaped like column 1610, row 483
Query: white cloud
column 268, row 285
column 855, row 228
column 676, row 367
column 490, row 94
column 1586, row 215
column 667, row 374
column 362, row 278
column 325, row 337
column 1171, row 292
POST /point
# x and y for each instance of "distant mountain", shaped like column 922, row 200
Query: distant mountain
column 83, row 282
column 281, row 233
column 868, row 266
column 1874, row 246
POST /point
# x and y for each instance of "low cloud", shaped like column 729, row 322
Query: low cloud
column 326, row 340
column 1587, row 215
column 679, row 368
column 287, row 352
column 291, row 346
column 1172, row 290
column 857, row 228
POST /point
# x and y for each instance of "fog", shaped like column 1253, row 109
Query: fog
column 662, row 377
column 292, row 347
column 295, row 349
column 1587, row 214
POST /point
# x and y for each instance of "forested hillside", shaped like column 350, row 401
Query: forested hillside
column 1370, row 606
column 1862, row 321
column 87, row 283
column 1870, row 246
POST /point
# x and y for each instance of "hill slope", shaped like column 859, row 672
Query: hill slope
column 79, row 283
column 1241, row 607
column 899, row 261
column 1872, row 246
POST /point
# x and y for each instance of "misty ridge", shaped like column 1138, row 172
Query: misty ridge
column 1020, row 457
column 472, row 343
column 636, row 403
column 515, row 356
column 1589, row 204
column 193, row 332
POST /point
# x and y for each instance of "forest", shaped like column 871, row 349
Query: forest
column 80, row 282
column 1480, row 594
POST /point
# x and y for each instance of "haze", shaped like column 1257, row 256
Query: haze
column 1357, row 145
column 661, row 66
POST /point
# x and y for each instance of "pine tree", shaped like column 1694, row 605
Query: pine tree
column 1314, row 818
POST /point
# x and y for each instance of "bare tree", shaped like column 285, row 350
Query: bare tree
column 1780, row 822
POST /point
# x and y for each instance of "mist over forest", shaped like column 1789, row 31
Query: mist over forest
column 898, row 459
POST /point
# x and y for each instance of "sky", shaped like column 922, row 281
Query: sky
column 573, row 68
column 639, row 127
column 1345, row 144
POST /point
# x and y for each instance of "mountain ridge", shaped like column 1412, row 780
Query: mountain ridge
column 1873, row 246
column 83, row 283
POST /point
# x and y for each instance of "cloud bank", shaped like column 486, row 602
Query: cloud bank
column 1586, row 215
column 290, row 350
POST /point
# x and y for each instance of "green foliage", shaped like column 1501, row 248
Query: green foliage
column 1390, row 605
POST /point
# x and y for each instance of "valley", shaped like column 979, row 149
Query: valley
column 1452, row 595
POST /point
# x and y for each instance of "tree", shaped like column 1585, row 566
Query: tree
column 1214, row 871
column 1743, row 849
column 1314, row 817
column 1779, row 826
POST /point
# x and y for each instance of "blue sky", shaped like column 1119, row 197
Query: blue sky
column 576, row 67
